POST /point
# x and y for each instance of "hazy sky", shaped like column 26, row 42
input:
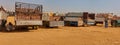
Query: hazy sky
column 70, row 5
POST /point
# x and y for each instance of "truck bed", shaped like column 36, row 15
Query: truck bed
column 53, row 23
column 28, row 14
column 28, row 22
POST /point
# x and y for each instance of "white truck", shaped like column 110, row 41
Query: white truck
column 26, row 15
column 3, row 18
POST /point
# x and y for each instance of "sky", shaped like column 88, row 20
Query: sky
column 97, row 6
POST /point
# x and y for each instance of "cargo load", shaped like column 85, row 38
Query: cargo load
column 76, row 14
column 52, row 20
column 47, row 17
column 72, row 18
column 28, row 14
column 91, row 16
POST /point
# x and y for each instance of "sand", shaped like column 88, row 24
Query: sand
column 92, row 35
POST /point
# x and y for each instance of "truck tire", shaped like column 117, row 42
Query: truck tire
column 9, row 28
column 34, row 27
column 47, row 25
column 95, row 24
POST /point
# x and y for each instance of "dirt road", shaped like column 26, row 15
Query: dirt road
column 93, row 35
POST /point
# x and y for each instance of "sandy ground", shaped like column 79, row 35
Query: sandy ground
column 92, row 35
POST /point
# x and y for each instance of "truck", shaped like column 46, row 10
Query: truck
column 100, row 17
column 91, row 19
column 3, row 18
column 80, row 18
column 115, row 21
column 52, row 20
column 26, row 15
column 76, row 18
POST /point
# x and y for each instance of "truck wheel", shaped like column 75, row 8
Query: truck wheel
column 95, row 24
column 47, row 25
column 9, row 28
column 82, row 25
column 34, row 27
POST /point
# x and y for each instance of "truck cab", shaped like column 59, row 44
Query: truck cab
column 3, row 18
column 99, row 19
